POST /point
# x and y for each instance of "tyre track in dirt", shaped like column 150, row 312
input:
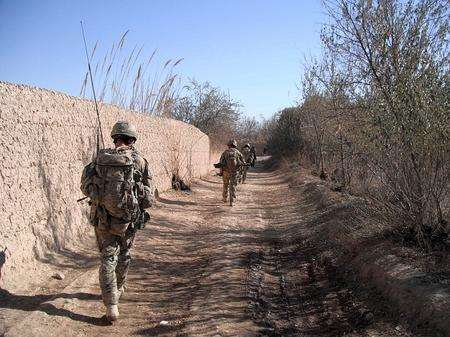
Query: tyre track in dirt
column 202, row 268
column 293, row 290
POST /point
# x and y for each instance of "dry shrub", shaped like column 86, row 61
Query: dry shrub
column 375, row 111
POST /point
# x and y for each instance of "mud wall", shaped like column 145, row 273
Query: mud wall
column 46, row 138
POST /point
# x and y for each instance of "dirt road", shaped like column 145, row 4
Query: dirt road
column 202, row 268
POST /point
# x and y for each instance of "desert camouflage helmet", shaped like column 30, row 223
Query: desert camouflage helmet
column 122, row 128
column 247, row 145
column 232, row 143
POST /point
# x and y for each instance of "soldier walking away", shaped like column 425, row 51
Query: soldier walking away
column 119, row 186
column 248, row 158
column 253, row 151
column 230, row 162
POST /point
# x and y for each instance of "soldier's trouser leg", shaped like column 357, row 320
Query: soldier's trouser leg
column 226, row 181
column 244, row 174
column 124, row 258
column 233, row 181
column 112, row 272
column 108, row 246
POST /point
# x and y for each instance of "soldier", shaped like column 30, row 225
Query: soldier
column 119, row 186
column 230, row 161
column 253, row 151
column 248, row 157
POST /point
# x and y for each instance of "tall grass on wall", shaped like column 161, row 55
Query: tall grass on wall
column 127, row 77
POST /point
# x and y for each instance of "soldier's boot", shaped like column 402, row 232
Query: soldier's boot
column 112, row 312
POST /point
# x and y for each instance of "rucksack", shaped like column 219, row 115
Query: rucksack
column 114, row 188
column 246, row 153
column 231, row 161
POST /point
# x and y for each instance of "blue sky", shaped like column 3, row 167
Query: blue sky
column 254, row 49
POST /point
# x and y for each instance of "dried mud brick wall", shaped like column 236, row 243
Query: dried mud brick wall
column 46, row 138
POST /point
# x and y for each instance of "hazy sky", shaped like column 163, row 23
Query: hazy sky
column 254, row 49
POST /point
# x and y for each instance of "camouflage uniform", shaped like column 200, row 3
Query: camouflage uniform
column 248, row 157
column 253, row 151
column 115, row 249
column 227, row 176
column 115, row 261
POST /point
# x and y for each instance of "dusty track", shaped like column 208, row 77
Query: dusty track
column 211, row 270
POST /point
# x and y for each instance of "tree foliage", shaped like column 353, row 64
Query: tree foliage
column 375, row 109
column 210, row 109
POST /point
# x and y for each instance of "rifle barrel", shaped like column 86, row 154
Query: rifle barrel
column 81, row 199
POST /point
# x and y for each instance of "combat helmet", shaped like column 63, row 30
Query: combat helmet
column 123, row 128
column 247, row 145
column 232, row 143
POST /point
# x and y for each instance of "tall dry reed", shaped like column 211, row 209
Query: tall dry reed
column 126, row 77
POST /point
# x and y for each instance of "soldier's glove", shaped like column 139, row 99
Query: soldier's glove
column 145, row 195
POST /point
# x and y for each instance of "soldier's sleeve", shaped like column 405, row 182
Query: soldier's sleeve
column 147, row 178
column 147, row 197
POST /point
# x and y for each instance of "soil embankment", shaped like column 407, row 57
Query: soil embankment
column 261, row 268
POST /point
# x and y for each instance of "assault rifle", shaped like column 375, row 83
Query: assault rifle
column 219, row 165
